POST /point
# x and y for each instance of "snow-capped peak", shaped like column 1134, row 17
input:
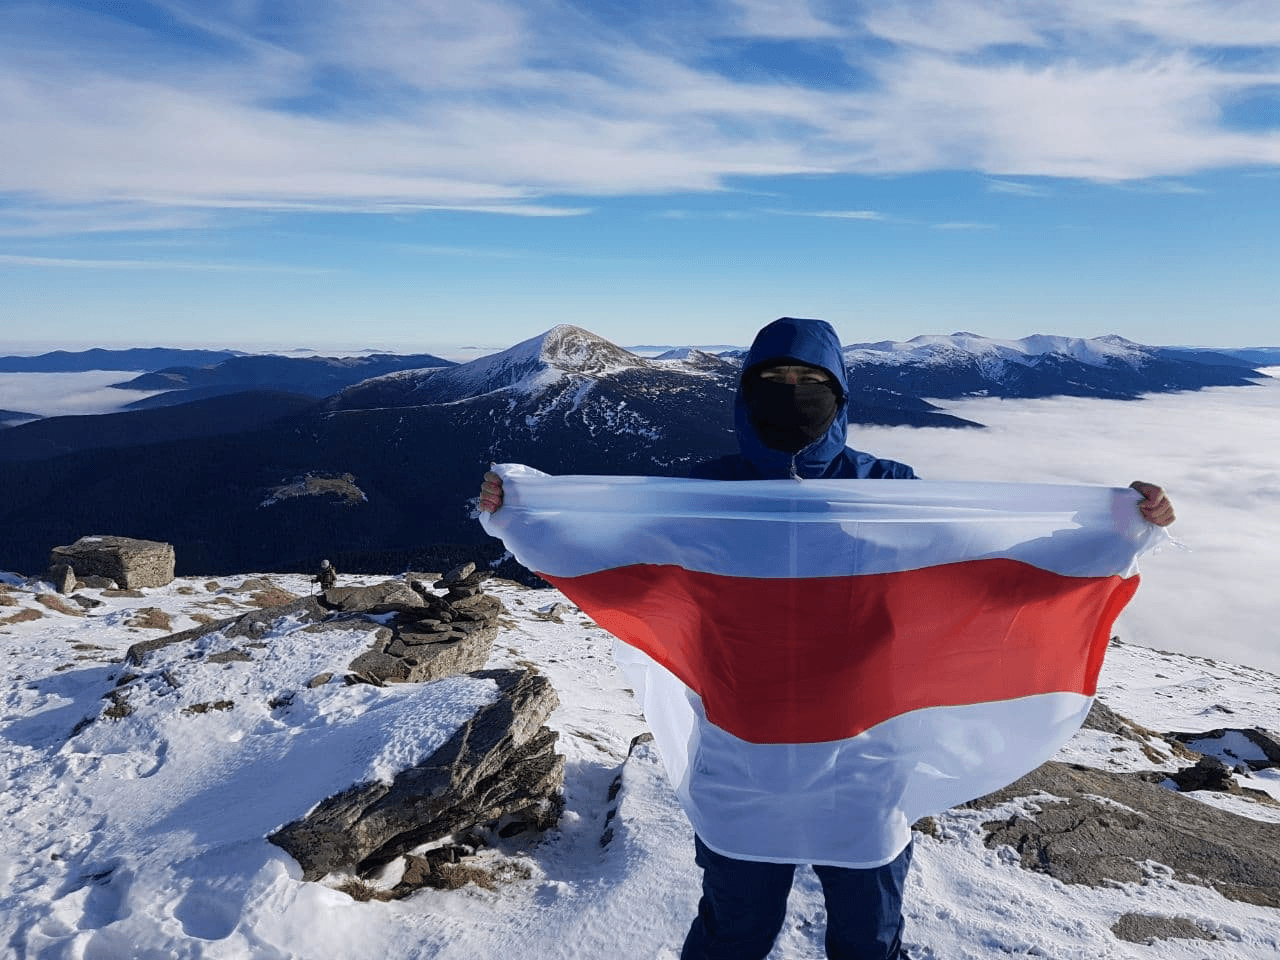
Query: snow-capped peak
column 929, row 349
column 575, row 350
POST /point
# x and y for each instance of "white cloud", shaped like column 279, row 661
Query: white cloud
column 1017, row 188
column 68, row 394
column 781, row 19
column 42, row 220
column 952, row 26
column 78, row 263
column 1216, row 452
column 963, row 225
column 1096, row 28
column 873, row 215
column 380, row 105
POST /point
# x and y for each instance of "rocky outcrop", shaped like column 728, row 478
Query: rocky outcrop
column 1096, row 827
column 1154, row 746
column 501, row 765
column 428, row 637
column 1250, row 748
column 132, row 564
column 498, row 774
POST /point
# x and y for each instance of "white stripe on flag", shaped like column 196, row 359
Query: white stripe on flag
column 574, row 525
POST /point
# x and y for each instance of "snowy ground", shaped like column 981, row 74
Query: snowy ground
column 144, row 837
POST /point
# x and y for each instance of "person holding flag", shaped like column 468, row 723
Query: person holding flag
column 791, row 422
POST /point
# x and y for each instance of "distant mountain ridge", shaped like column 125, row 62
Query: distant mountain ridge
column 55, row 436
column 314, row 376
column 415, row 440
column 10, row 418
column 136, row 358
column 600, row 374
column 966, row 364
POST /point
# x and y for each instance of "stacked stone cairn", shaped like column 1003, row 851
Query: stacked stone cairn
column 432, row 636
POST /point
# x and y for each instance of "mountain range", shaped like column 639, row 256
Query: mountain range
column 136, row 358
column 313, row 376
column 371, row 460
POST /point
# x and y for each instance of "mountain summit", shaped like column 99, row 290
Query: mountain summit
column 531, row 366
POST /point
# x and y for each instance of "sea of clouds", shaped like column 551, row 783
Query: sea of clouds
column 67, row 394
column 1215, row 451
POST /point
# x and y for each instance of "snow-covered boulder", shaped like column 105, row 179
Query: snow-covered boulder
column 499, row 764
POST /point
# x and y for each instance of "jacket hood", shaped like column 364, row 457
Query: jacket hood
column 816, row 343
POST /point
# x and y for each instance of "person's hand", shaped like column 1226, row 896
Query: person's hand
column 1154, row 505
column 491, row 492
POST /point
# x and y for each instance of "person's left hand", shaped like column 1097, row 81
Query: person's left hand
column 491, row 492
column 1154, row 505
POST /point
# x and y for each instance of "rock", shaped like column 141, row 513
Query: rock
column 1155, row 747
column 390, row 595
column 419, row 646
column 456, row 575
column 1097, row 828
column 92, row 582
column 1254, row 748
column 424, row 657
column 150, row 618
column 251, row 625
column 252, row 585
column 552, row 611
column 88, row 603
column 1209, row 773
column 501, row 762
column 479, row 607
column 130, row 563
column 234, row 655
column 1145, row 928
column 63, row 578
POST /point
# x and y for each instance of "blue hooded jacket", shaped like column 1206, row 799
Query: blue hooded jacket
column 813, row 342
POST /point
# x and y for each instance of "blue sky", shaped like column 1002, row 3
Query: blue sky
column 420, row 174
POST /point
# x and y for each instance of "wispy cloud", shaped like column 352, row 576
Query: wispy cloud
column 44, row 220
column 703, row 215
column 495, row 105
column 74, row 263
column 963, row 225
column 868, row 215
column 1018, row 188
column 782, row 19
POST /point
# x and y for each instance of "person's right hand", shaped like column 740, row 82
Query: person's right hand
column 491, row 492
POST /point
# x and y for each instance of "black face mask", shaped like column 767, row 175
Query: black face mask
column 788, row 416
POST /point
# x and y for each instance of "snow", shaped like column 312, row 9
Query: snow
column 992, row 352
column 144, row 837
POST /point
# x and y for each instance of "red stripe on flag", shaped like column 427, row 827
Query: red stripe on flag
column 821, row 659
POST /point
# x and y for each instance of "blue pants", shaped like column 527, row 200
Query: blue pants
column 744, row 903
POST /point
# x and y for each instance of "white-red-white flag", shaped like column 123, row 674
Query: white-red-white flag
column 822, row 662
